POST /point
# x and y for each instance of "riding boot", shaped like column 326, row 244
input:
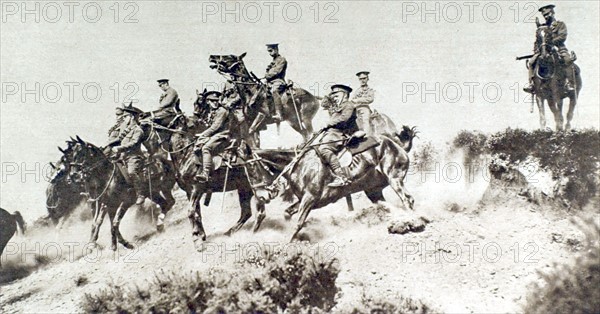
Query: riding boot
column 341, row 178
column 138, row 187
column 260, row 117
column 204, row 176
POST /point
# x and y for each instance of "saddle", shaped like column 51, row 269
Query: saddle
column 358, row 143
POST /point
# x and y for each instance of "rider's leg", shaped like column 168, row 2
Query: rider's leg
column 529, row 87
column 363, row 115
column 567, row 63
column 277, row 89
column 329, row 153
column 260, row 117
column 134, row 168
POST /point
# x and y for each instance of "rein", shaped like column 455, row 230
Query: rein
column 95, row 199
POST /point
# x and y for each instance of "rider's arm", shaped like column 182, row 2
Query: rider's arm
column 218, row 122
column 276, row 69
column 169, row 99
column 364, row 99
column 341, row 116
column 560, row 34
column 136, row 138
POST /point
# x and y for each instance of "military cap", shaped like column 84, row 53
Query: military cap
column 274, row 46
column 132, row 109
column 340, row 88
column 362, row 72
column 163, row 81
column 212, row 95
column 547, row 7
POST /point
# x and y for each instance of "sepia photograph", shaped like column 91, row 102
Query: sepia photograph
column 307, row 156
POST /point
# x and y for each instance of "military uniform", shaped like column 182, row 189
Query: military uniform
column 275, row 76
column 558, row 36
column 213, row 138
column 363, row 97
column 342, row 122
column 131, row 151
column 169, row 103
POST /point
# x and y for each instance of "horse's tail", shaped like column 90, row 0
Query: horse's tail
column 406, row 137
column 20, row 222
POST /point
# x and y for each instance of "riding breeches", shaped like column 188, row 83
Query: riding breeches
column 334, row 140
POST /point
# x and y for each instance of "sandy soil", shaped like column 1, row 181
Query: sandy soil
column 479, row 253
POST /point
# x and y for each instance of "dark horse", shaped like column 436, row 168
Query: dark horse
column 62, row 195
column 106, row 184
column 8, row 226
column 299, row 106
column 549, row 81
column 230, row 176
column 306, row 175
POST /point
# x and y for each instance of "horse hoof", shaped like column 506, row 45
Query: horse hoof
column 113, row 247
column 128, row 245
column 287, row 216
column 160, row 228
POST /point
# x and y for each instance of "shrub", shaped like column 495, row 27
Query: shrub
column 400, row 305
column 571, row 288
column 269, row 283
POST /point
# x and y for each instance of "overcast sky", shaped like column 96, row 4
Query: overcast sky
column 463, row 53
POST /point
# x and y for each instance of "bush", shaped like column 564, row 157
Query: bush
column 572, row 157
column 400, row 305
column 571, row 288
column 270, row 283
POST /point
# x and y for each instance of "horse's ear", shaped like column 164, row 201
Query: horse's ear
column 197, row 92
column 79, row 139
column 61, row 150
column 52, row 165
column 242, row 56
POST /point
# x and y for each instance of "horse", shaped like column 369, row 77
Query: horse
column 108, row 186
column 9, row 224
column 229, row 177
column 62, row 195
column 306, row 175
column 299, row 106
column 549, row 81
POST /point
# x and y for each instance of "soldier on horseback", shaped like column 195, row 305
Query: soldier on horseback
column 131, row 151
column 275, row 78
column 342, row 122
column 558, row 36
column 169, row 101
column 213, row 138
column 116, row 132
column 362, row 98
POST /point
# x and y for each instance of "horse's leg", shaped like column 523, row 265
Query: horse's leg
column 97, row 222
column 245, row 212
column 396, row 180
column 260, row 208
column 375, row 195
column 561, row 121
column 117, row 236
column 165, row 204
column 556, row 113
column 572, row 104
column 195, row 216
column 540, row 103
column 306, row 204
column 291, row 210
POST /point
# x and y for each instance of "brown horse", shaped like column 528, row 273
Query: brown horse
column 106, row 185
column 549, row 81
column 299, row 106
column 9, row 223
column 306, row 175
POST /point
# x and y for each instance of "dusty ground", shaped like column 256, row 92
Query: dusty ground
column 478, row 254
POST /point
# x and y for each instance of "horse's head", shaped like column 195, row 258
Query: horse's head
column 85, row 158
column 230, row 64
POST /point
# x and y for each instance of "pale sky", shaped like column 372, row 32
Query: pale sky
column 472, row 45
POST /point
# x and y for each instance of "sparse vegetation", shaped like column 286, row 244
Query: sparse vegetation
column 399, row 305
column 268, row 284
column 573, row 158
column 571, row 288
